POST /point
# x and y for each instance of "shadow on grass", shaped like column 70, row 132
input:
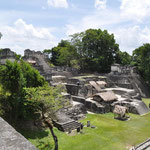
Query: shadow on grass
column 44, row 146
column 34, row 134
column 39, row 138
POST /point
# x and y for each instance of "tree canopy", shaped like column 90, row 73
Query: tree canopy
column 92, row 50
column 1, row 35
column 19, row 75
column 97, row 49
column 14, row 77
column 123, row 58
column 63, row 54
column 141, row 59
column 46, row 99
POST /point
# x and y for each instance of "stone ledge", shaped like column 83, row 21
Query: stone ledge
column 10, row 139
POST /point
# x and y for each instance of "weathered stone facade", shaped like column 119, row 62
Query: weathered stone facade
column 5, row 54
column 38, row 61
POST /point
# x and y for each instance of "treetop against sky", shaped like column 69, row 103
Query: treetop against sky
column 41, row 24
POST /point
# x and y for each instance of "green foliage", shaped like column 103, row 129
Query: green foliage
column 92, row 50
column 141, row 59
column 63, row 54
column 97, row 49
column 11, row 78
column 18, row 57
column 14, row 77
column 123, row 58
column 47, row 52
column 31, row 75
column 75, row 64
column 45, row 99
column 24, row 91
column 109, row 134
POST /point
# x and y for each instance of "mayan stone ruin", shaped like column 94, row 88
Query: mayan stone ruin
column 122, row 87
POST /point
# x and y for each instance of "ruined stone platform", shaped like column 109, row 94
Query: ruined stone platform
column 10, row 139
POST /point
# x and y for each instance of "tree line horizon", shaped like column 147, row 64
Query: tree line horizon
column 95, row 50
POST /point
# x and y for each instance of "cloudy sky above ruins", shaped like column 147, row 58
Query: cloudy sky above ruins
column 41, row 24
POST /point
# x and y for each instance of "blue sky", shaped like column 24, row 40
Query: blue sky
column 41, row 24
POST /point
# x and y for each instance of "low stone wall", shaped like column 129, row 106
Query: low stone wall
column 72, row 89
column 80, row 90
column 65, row 68
column 122, row 85
column 3, row 61
column 78, row 99
column 10, row 139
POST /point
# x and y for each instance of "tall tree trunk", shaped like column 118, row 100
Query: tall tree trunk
column 49, row 124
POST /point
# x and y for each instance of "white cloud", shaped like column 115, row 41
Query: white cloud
column 128, row 38
column 132, row 37
column 99, row 19
column 58, row 3
column 21, row 36
column 100, row 4
column 135, row 9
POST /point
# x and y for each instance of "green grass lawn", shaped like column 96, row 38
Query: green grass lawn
column 109, row 134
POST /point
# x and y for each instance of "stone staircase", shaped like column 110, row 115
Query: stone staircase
column 43, row 67
column 67, row 126
column 41, row 61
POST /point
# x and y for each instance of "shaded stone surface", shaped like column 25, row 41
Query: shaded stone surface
column 80, row 90
column 40, row 63
column 10, row 139
column 64, row 122
column 134, row 106
column 5, row 54
column 77, row 112
column 78, row 99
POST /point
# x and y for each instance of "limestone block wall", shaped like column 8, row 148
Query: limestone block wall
column 3, row 61
column 5, row 54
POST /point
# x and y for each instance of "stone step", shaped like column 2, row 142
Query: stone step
column 70, row 123
column 71, row 126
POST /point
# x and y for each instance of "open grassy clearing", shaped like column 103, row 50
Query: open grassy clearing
column 109, row 134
